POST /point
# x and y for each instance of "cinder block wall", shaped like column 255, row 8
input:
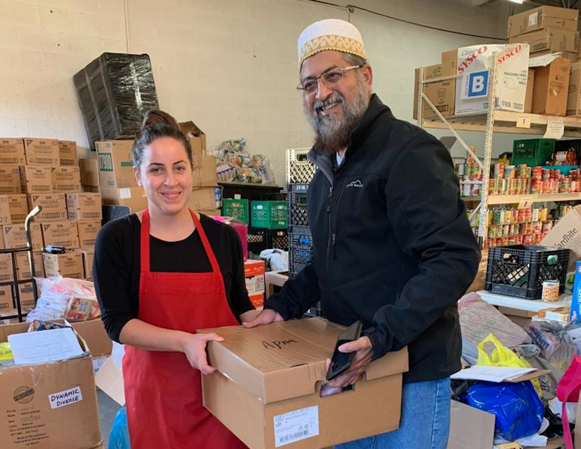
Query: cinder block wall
column 229, row 65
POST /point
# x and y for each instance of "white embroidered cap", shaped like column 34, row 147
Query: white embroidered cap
column 330, row 34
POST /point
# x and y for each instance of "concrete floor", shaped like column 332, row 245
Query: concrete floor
column 107, row 410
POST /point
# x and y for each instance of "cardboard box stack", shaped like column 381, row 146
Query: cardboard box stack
column 42, row 172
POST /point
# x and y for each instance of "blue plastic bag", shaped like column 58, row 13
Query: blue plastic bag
column 119, row 436
column 518, row 409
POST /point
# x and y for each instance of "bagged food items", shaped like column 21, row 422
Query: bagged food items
column 37, row 326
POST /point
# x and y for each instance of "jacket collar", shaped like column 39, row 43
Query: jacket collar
column 360, row 133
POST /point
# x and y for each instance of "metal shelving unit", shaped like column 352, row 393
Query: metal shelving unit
column 494, row 121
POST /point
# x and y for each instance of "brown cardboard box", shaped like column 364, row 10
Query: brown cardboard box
column 68, row 265
column 87, row 254
column 5, row 217
column 442, row 94
column 34, row 415
column 133, row 197
column 68, row 152
column 567, row 234
column 204, row 172
column 574, row 96
column 36, row 179
column 42, row 151
column 543, row 17
column 274, row 374
column 572, row 57
column 552, row 87
column 12, row 152
column 517, row 316
column 84, row 206
column 6, row 271
column 94, row 334
column 530, row 89
column 203, row 199
column 26, row 296
column 18, row 207
column 549, row 39
column 10, row 179
column 115, row 163
column 6, row 301
column 61, row 233
column 23, row 265
column 54, row 206
column 88, row 230
column 210, row 212
column 89, row 172
column 15, row 236
column 66, row 180
column 196, row 137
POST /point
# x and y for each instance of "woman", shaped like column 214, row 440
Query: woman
column 161, row 275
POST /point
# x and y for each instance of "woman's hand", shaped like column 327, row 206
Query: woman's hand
column 194, row 347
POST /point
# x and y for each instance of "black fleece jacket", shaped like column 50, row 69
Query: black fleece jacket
column 392, row 245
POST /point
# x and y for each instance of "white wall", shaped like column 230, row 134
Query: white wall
column 228, row 65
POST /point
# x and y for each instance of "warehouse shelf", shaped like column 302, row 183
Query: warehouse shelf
column 534, row 198
column 506, row 122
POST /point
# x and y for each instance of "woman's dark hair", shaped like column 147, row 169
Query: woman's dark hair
column 157, row 124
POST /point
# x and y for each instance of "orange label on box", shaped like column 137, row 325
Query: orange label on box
column 254, row 267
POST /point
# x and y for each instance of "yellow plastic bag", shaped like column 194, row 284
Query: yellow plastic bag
column 5, row 351
column 502, row 356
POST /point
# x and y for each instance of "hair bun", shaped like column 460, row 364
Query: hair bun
column 158, row 117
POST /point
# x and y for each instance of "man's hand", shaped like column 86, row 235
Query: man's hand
column 194, row 347
column 267, row 316
column 363, row 355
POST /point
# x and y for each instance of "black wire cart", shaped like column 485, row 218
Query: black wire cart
column 15, row 282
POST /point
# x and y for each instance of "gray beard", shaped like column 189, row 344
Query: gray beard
column 332, row 135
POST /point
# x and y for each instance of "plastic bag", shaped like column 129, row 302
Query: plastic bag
column 5, row 351
column 556, row 345
column 277, row 259
column 479, row 319
column 548, row 382
column 517, row 407
column 502, row 356
column 119, row 436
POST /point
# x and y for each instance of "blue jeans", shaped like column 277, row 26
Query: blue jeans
column 425, row 420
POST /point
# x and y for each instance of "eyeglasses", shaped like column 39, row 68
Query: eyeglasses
column 329, row 78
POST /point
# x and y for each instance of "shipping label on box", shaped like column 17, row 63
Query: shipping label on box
column 116, row 163
column 6, row 271
column 87, row 254
column 89, row 172
column 5, row 217
column 23, row 265
column 61, row 233
column 49, row 405
column 68, row 265
column 7, row 306
column 442, row 93
column 203, row 199
column 15, row 236
column 66, row 180
column 36, row 179
column 88, row 230
column 54, row 206
column 12, row 151
column 543, row 17
column 42, row 151
column 133, row 197
column 18, row 207
column 10, row 179
column 68, row 152
column 84, row 206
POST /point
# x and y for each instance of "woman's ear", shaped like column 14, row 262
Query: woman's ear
column 136, row 172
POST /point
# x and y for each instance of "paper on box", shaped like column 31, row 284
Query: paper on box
column 567, row 235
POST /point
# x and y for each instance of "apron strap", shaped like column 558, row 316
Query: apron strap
column 145, row 259
column 206, row 243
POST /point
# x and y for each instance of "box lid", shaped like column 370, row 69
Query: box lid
column 287, row 359
column 190, row 128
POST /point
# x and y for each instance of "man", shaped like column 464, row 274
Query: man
column 392, row 245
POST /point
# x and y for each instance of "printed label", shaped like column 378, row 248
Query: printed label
column 296, row 425
column 65, row 398
column 533, row 19
column 124, row 193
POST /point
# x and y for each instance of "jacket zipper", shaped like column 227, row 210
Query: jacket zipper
column 331, row 240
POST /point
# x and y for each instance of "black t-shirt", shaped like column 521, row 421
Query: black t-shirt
column 117, row 263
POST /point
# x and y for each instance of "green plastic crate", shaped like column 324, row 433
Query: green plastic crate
column 269, row 214
column 236, row 209
column 533, row 152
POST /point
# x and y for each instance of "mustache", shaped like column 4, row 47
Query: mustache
column 336, row 98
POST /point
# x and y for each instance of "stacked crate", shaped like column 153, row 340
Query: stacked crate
column 43, row 172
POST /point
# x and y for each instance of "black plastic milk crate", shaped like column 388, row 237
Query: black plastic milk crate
column 297, row 204
column 260, row 239
column 520, row 270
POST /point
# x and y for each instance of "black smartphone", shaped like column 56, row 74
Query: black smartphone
column 342, row 361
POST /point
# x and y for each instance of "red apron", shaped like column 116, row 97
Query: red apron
column 163, row 392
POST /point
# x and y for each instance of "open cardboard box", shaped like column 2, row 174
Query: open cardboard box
column 274, row 374
column 567, row 235
column 32, row 419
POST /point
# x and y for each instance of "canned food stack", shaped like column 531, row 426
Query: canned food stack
column 522, row 180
